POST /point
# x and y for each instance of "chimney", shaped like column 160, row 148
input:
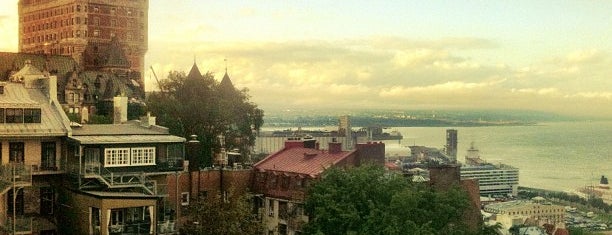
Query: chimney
column 194, row 152
column 119, row 109
column 335, row 147
column 294, row 143
column 52, row 87
column 148, row 120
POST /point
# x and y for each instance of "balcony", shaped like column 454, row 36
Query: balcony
column 166, row 227
column 21, row 225
column 46, row 170
column 14, row 175
column 95, row 172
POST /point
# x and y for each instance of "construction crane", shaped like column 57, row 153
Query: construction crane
column 161, row 89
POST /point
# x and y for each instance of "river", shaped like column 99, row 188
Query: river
column 555, row 156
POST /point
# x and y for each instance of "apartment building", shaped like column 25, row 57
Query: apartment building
column 33, row 128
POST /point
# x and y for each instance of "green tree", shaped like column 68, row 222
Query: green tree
column 368, row 200
column 212, row 215
column 195, row 104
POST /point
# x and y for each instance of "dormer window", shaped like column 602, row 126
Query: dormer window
column 18, row 115
column 14, row 115
column 31, row 115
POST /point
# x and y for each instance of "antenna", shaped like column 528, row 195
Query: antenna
column 225, row 60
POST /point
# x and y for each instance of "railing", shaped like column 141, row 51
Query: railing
column 45, row 169
column 22, row 225
column 17, row 173
column 92, row 168
column 170, row 164
column 130, row 228
column 166, row 227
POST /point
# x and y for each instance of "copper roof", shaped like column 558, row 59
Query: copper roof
column 301, row 161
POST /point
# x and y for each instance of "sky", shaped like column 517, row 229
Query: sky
column 552, row 56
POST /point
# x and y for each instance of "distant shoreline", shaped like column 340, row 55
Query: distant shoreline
column 414, row 123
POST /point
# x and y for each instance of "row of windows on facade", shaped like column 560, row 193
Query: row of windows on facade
column 536, row 212
column 46, row 200
column 58, row 11
column 128, row 36
column 122, row 216
column 123, row 23
column 138, row 156
column 17, row 153
column 284, row 182
column 20, row 115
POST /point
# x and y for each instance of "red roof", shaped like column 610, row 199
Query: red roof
column 301, row 161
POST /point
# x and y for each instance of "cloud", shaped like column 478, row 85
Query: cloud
column 378, row 72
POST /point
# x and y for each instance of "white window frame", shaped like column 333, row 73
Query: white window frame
column 143, row 156
column 114, row 157
column 185, row 198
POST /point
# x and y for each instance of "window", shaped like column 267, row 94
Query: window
column 143, row 156
column 283, row 210
column 14, row 115
column 2, row 114
column 46, row 200
column 270, row 207
column 18, row 207
column 116, row 217
column 116, row 157
column 31, row 115
column 185, row 198
column 47, row 157
column 16, row 152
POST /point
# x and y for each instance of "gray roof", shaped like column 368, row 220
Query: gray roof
column 125, row 139
column 131, row 132
column 130, row 128
column 52, row 121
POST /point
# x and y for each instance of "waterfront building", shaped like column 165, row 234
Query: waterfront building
column 33, row 131
column 85, row 29
column 494, row 179
column 530, row 213
column 282, row 178
column 451, row 144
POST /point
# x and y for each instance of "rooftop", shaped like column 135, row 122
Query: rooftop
column 131, row 132
column 52, row 120
column 301, row 160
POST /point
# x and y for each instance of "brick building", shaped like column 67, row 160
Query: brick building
column 283, row 177
column 84, row 29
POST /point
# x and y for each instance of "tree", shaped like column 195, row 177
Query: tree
column 195, row 104
column 213, row 215
column 368, row 200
